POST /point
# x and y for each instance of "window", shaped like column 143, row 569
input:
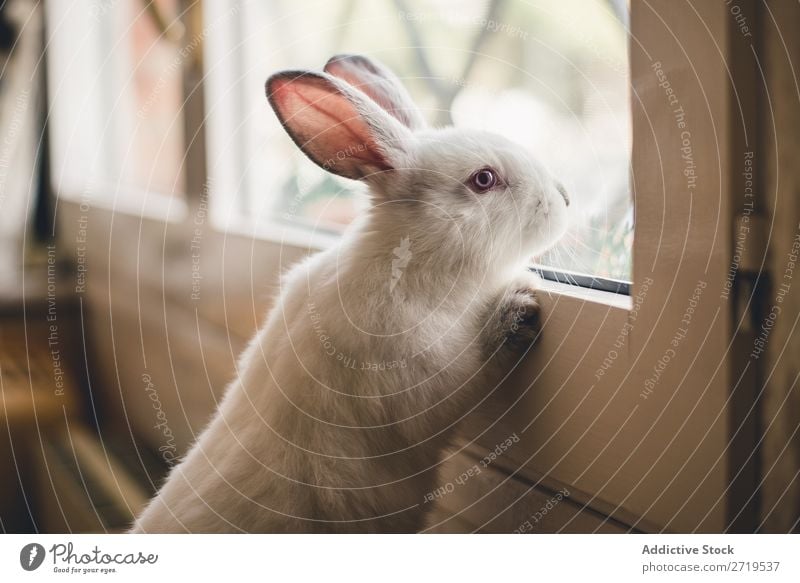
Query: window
column 551, row 76
column 117, row 98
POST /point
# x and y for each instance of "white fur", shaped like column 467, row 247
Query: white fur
column 307, row 441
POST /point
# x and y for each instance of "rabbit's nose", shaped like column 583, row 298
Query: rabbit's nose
column 563, row 191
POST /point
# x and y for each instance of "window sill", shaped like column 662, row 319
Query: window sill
column 130, row 201
column 277, row 232
column 610, row 299
column 159, row 207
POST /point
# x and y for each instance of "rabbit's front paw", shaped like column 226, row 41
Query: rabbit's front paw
column 520, row 320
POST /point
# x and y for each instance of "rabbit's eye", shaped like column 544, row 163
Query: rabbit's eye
column 483, row 180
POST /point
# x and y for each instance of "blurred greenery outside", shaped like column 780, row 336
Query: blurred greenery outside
column 552, row 76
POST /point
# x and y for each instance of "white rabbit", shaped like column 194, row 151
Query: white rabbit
column 377, row 347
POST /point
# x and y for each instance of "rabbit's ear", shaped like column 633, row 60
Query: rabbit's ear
column 380, row 84
column 339, row 128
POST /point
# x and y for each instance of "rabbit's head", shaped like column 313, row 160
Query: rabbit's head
column 456, row 187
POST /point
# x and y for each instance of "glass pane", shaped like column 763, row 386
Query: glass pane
column 553, row 76
column 150, row 123
column 117, row 81
column 147, row 106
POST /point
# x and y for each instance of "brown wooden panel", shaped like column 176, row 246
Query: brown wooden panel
column 780, row 467
column 473, row 496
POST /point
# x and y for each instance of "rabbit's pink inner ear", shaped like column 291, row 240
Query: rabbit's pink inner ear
column 326, row 126
column 363, row 80
column 366, row 77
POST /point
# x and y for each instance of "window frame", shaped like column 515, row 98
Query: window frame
column 227, row 174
